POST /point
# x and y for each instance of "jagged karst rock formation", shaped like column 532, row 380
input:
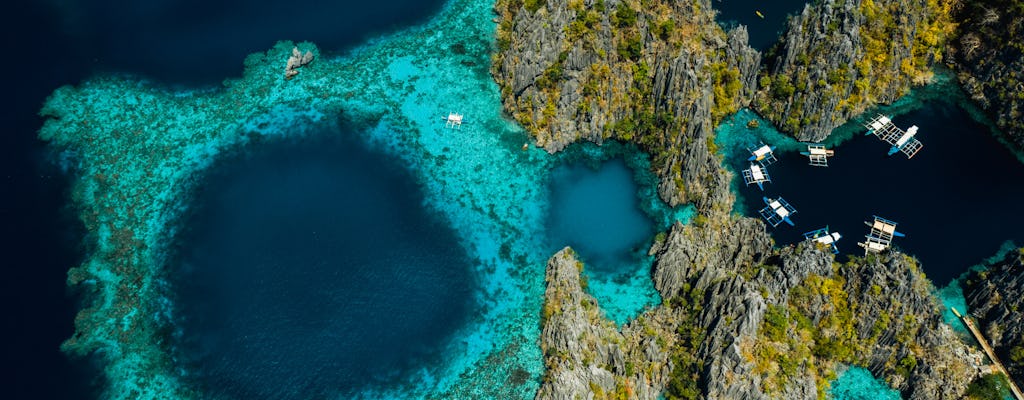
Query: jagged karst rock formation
column 739, row 319
column 775, row 321
column 742, row 320
column 296, row 60
column 585, row 353
column 838, row 58
column 995, row 297
column 989, row 59
column 659, row 74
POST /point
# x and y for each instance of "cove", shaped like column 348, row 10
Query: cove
column 957, row 200
column 764, row 32
column 311, row 268
column 594, row 209
column 603, row 202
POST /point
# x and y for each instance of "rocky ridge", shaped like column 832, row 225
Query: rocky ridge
column 838, row 58
column 989, row 59
column 586, row 355
column 741, row 320
column 995, row 296
column 660, row 74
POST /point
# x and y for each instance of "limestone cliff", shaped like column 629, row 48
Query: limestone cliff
column 774, row 323
column 990, row 61
column 585, row 354
column 742, row 320
column 995, row 297
column 660, row 74
column 838, row 58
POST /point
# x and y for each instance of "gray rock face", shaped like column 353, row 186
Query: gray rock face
column 739, row 276
column 996, row 298
column 989, row 58
column 838, row 58
column 585, row 354
column 572, row 70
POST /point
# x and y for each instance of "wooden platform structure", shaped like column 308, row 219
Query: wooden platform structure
column 901, row 141
column 777, row 211
column 756, row 174
column 989, row 351
column 454, row 121
column 818, row 154
column 881, row 235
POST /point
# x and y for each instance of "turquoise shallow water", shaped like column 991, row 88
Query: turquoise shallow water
column 856, row 383
column 477, row 180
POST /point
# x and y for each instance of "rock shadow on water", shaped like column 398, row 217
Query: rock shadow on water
column 311, row 268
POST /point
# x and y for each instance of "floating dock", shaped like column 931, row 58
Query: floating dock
column 881, row 235
column 454, row 121
column 901, row 141
column 777, row 211
column 818, row 154
column 756, row 174
column 765, row 155
column 989, row 351
column 824, row 237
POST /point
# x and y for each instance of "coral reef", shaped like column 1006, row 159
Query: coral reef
column 140, row 149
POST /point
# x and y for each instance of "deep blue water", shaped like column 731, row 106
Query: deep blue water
column 957, row 200
column 39, row 237
column 193, row 42
column 764, row 32
column 594, row 209
column 311, row 267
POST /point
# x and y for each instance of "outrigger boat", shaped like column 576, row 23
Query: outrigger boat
column 454, row 121
column 882, row 127
column 904, row 140
column 764, row 154
column 777, row 212
column 756, row 174
column 881, row 235
column 824, row 237
column 818, row 154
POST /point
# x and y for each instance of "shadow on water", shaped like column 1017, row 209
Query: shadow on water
column 196, row 42
column 310, row 268
column 957, row 200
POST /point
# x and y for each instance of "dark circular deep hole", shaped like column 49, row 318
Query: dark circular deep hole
column 313, row 268
column 595, row 209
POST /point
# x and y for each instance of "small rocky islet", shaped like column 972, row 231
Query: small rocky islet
column 740, row 318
